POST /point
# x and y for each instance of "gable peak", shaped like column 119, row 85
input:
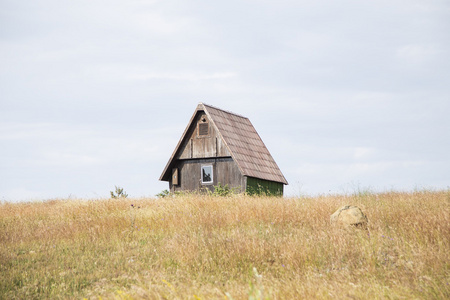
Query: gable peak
column 204, row 107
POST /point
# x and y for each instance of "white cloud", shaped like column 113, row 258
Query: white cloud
column 183, row 76
column 418, row 54
column 363, row 153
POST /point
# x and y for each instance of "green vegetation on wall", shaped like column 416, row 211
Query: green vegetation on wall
column 256, row 186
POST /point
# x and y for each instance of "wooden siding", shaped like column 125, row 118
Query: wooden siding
column 225, row 171
column 203, row 146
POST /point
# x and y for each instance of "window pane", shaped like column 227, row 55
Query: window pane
column 207, row 176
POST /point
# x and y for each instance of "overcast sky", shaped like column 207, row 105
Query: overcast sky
column 346, row 95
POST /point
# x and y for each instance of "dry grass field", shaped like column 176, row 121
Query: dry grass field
column 239, row 247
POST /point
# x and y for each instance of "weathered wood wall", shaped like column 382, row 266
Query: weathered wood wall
column 225, row 171
column 204, row 146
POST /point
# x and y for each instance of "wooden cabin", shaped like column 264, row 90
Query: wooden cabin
column 220, row 147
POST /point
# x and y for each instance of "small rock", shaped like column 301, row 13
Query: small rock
column 349, row 215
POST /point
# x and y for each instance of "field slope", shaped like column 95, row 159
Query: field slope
column 205, row 247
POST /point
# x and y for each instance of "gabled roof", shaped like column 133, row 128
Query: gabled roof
column 242, row 141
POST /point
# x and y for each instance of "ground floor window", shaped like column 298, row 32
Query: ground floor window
column 207, row 174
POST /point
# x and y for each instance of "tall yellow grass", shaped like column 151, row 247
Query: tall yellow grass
column 205, row 247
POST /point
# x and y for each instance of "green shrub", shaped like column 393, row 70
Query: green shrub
column 163, row 194
column 224, row 190
column 119, row 193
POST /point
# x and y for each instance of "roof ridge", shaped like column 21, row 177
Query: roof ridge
column 226, row 111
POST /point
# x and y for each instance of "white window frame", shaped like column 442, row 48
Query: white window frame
column 212, row 174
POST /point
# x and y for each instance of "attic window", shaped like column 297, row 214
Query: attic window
column 203, row 128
